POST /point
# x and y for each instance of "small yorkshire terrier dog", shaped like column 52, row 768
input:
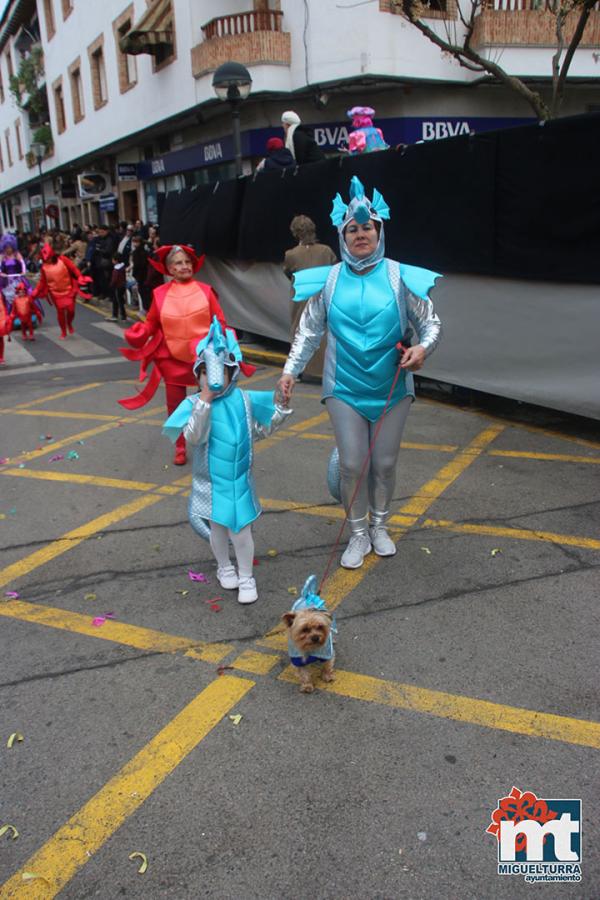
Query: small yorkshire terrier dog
column 310, row 636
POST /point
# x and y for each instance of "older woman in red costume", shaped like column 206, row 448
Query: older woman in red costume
column 180, row 315
column 60, row 282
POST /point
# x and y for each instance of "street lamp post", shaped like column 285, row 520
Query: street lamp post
column 232, row 82
column 38, row 148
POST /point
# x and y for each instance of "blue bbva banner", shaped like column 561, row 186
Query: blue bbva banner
column 330, row 136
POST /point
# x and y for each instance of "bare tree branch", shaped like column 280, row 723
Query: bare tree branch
column 470, row 58
column 586, row 8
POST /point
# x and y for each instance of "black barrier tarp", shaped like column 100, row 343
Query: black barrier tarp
column 522, row 203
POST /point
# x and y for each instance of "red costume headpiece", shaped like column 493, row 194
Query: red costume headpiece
column 22, row 286
column 163, row 252
column 47, row 253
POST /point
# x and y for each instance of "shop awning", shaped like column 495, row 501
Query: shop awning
column 153, row 33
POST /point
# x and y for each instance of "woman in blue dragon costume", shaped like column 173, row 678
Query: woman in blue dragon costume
column 221, row 424
column 368, row 305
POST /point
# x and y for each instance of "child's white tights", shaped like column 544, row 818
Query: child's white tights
column 243, row 545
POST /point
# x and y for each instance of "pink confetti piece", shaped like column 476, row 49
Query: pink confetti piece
column 255, row 562
column 109, row 615
column 14, row 595
column 213, row 599
column 4, row 460
column 57, row 457
column 98, row 621
column 198, row 576
column 215, row 607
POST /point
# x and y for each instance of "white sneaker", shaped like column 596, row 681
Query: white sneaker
column 358, row 547
column 383, row 545
column 247, row 590
column 227, row 577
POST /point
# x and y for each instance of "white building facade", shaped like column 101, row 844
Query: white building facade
column 123, row 128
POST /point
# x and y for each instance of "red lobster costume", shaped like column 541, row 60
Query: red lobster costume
column 23, row 308
column 180, row 315
column 60, row 282
column 5, row 326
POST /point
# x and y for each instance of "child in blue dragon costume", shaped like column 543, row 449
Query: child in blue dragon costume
column 368, row 305
column 221, row 423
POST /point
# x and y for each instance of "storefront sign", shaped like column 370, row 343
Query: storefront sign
column 127, row 171
column 108, row 203
column 35, row 201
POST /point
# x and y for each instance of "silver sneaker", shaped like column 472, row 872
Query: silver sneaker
column 247, row 590
column 383, row 545
column 227, row 577
column 358, row 547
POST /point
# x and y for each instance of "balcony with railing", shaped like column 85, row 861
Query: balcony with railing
column 528, row 23
column 250, row 38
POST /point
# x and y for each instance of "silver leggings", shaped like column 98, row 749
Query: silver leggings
column 243, row 546
column 353, row 435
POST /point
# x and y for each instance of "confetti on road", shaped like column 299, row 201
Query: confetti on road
column 98, row 621
column 293, row 591
column 72, row 454
column 12, row 595
column 8, row 828
column 45, row 437
column 57, row 457
column 256, row 562
column 271, row 552
column 198, row 576
column 222, row 669
column 16, row 737
column 426, row 550
column 183, row 593
column 496, row 551
column 144, row 859
column 236, row 719
column 89, row 596
column 4, row 460
column 422, row 835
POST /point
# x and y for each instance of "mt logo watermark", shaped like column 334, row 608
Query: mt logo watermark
column 539, row 839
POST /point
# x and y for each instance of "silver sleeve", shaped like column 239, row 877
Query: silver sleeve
column 424, row 319
column 307, row 339
column 197, row 429
column 279, row 417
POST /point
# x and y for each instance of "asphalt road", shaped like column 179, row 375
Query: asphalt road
column 466, row 665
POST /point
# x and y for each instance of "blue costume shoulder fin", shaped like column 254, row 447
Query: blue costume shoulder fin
column 177, row 421
column 418, row 280
column 310, row 281
column 263, row 405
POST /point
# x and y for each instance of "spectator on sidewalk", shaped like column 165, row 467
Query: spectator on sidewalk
column 117, row 289
column 278, row 157
column 306, row 255
column 139, row 271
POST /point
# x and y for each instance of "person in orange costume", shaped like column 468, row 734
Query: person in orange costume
column 180, row 315
column 23, row 309
column 5, row 326
column 60, row 282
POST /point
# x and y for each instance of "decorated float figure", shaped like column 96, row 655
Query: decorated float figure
column 221, row 422
column 180, row 314
column 368, row 306
column 364, row 138
column 60, row 282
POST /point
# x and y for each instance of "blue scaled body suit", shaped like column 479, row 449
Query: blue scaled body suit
column 366, row 316
column 222, row 434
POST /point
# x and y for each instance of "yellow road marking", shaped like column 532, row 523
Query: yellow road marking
column 70, row 848
column 461, row 709
column 255, row 663
column 558, row 457
column 430, row 491
column 523, row 534
column 96, row 480
column 74, row 537
column 66, row 393
column 118, row 632
column 55, row 414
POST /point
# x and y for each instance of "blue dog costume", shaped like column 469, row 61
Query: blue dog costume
column 309, row 599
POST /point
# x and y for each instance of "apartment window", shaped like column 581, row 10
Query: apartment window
column 59, row 105
column 165, row 53
column 9, row 64
column 49, row 16
column 98, row 72
column 76, row 90
column 19, row 138
column 67, row 8
column 125, row 61
column 8, row 150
